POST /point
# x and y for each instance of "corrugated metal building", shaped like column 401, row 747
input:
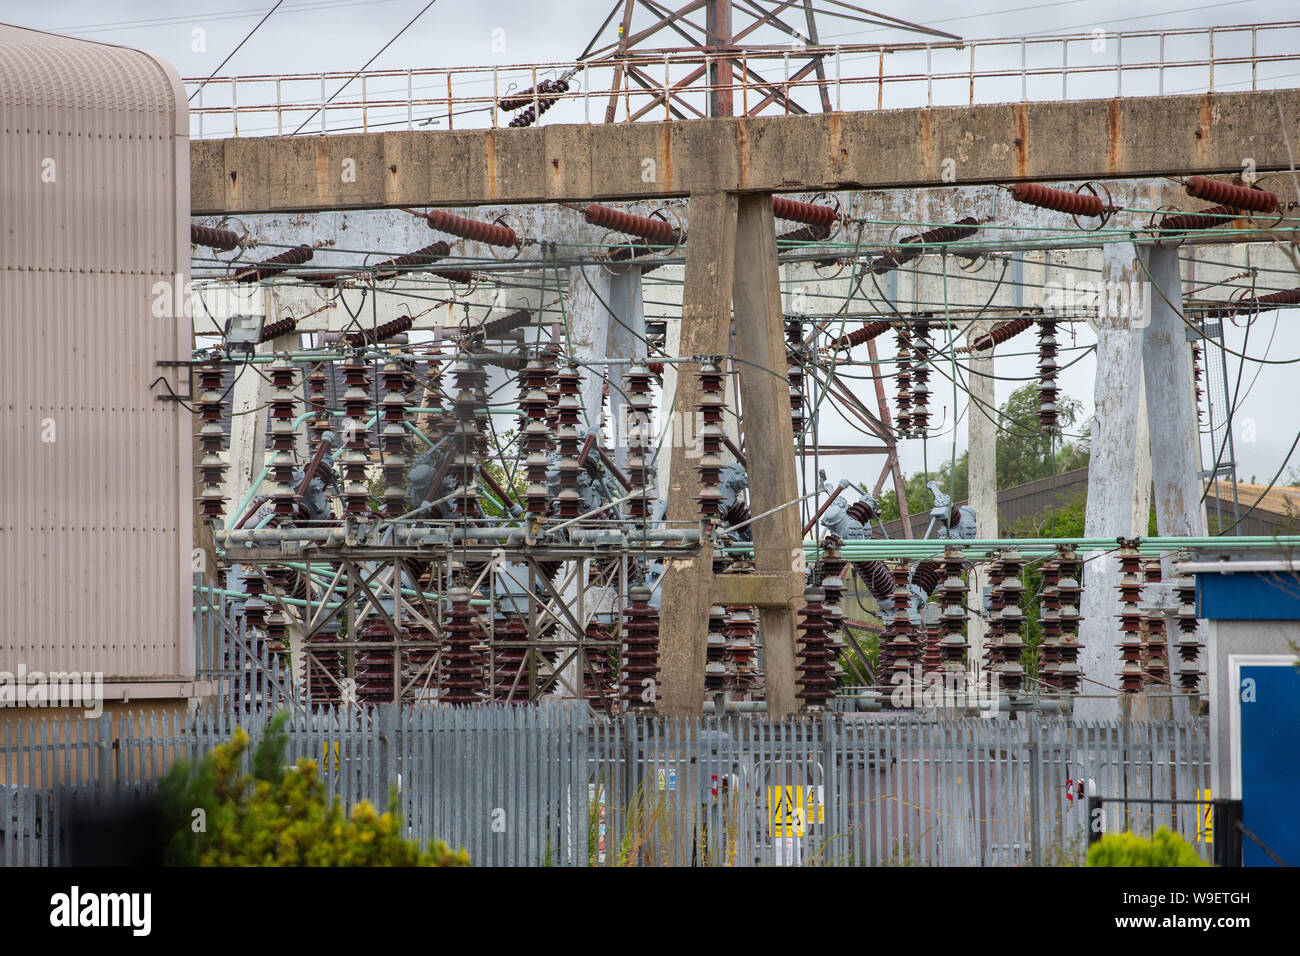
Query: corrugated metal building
column 96, row 519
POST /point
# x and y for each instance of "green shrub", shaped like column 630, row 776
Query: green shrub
column 1128, row 849
column 214, row 815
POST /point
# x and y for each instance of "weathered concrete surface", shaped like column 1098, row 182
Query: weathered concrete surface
column 1085, row 139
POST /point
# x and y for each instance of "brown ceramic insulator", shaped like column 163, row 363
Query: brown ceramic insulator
column 741, row 628
column 920, row 390
column 858, row 336
column 426, row 256
column 1259, row 303
column 600, row 675
column 463, row 276
column 811, row 233
column 277, row 264
column 530, row 115
column 1068, row 675
column 1238, row 197
column 1008, row 620
column 463, row 677
column 1048, row 390
column 510, row 322
column 1001, row 333
column 640, row 672
column 640, row 472
column 509, row 653
column 796, row 211
column 738, row 513
column 1077, row 204
column 861, row 512
column 875, row 576
column 381, row 332
column 715, row 654
column 211, row 466
column 213, row 238
column 654, row 230
column 927, row 576
column 1210, row 218
column 273, row 330
column 516, row 101
column 913, row 246
column 815, row 656
column 899, row 646
column 493, row 234
column 903, row 382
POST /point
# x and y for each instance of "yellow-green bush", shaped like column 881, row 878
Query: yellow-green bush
column 217, row 816
column 1128, row 849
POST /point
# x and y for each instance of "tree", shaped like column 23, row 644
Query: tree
column 215, row 815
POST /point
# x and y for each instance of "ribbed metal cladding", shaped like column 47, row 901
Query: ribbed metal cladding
column 95, row 526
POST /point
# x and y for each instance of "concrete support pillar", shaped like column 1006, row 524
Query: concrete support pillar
column 981, row 475
column 625, row 339
column 588, row 311
column 1113, row 489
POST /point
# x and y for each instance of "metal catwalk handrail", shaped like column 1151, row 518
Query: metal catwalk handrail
column 467, row 96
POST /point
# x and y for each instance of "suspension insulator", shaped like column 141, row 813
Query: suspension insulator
column 858, row 336
column 1048, row 390
column 420, row 257
column 378, row 334
column 493, row 234
column 521, row 99
column 796, row 211
column 273, row 330
column 1077, row 204
column 1260, row 303
column 913, row 246
column 1000, row 333
column 811, row 233
column 511, row 322
column 220, row 239
column 277, row 264
column 1209, row 218
column 1239, row 197
column 463, row 276
column 654, row 230
column 543, row 103
column 815, row 654
column 640, row 674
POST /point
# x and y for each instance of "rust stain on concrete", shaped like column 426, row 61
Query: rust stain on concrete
column 1022, row 140
column 490, row 162
column 666, row 154
column 742, row 151
column 837, row 152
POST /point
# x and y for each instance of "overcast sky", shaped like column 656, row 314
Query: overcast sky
column 315, row 35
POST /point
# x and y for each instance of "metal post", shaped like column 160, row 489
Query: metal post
column 1065, row 63
column 1024, row 71
column 1119, row 64
column 410, row 104
column 1211, row 59
column 838, row 79
column 929, row 76
column 1035, row 797
column 234, row 104
column 322, row 102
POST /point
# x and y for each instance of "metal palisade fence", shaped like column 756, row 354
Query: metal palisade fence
column 557, row 785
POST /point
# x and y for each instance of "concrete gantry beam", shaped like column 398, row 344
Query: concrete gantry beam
column 1083, row 139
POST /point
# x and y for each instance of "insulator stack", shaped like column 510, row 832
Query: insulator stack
column 510, row 322
column 952, row 616
column 600, row 676
column 711, row 406
column 640, row 472
column 324, row 669
column 794, row 371
column 921, row 377
column 1048, row 389
column 212, row 467
column 1261, row 303
column 463, row 667
column 640, row 673
column 992, row 634
column 1000, row 333
column 927, row 575
column 715, row 655
column 931, row 652
column 806, row 234
column 1130, row 620
column 279, row 580
column 815, row 654
column 316, row 384
column 862, row 512
column 1238, row 197
column 255, row 608
column 356, row 451
column 426, row 256
column 568, row 440
column 832, row 584
column 394, row 439
column 876, row 576
column 1049, row 618
column 373, row 669
column 509, row 682
column 380, row 332
column 493, row 234
column 1198, row 373
column 418, row 674
column 741, row 629
column 1011, row 619
column 1189, row 648
column 282, row 405
column 868, row 332
column 1069, row 568
column 796, row 211
column 463, row 276
column 1077, row 204
column 899, row 648
column 534, row 405
column 1155, row 657
column 273, row 330
column 737, row 514
column 219, row 239
column 654, row 230
column 468, row 437
column 913, row 246
column 277, row 264
column 903, row 382
column 1210, row 218
column 547, row 95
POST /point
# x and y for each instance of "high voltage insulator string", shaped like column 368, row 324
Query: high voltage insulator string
column 795, row 211
column 655, row 230
column 1239, row 197
column 998, row 334
column 961, row 229
column 1076, row 204
column 277, row 264
column 493, row 234
column 213, row 238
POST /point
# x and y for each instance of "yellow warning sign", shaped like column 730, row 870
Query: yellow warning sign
column 1205, row 819
column 790, row 808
